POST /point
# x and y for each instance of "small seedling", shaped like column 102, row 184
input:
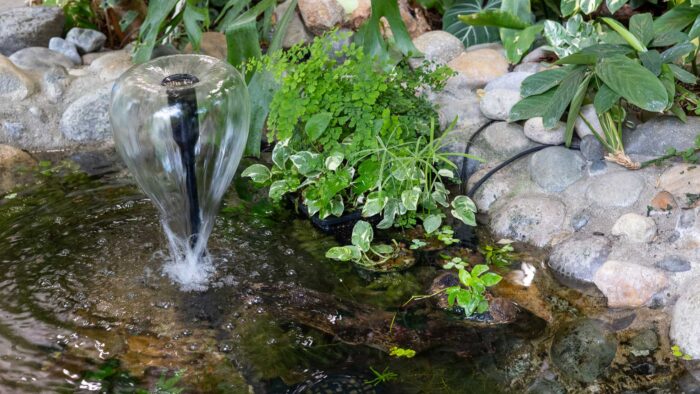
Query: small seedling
column 677, row 352
column 446, row 235
column 381, row 377
column 400, row 352
column 498, row 256
column 417, row 244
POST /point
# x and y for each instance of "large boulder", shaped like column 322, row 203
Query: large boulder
column 536, row 219
column 480, row 66
column 629, row 285
column 24, row 27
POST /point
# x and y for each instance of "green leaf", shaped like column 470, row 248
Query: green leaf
column 280, row 154
column 642, row 26
column 192, row 17
column 491, row 279
column 531, row 107
column 261, row 88
column 156, row 16
column 633, row 82
column 631, row 39
column 464, row 277
column 334, row 160
column 432, row 223
column 652, row 61
column 258, row 173
column 383, row 249
column 591, row 54
column 127, row 19
column 569, row 7
column 470, row 35
column 605, row 99
column 669, row 38
column 370, row 36
column 362, row 235
column 306, row 162
column 588, row 6
column 242, row 43
column 278, row 189
column 479, row 269
column 543, row 81
column 409, row 198
column 494, row 18
column 683, row 75
column 337, row 206
column 675, row 19
column 391, row 209
column 669, row 82
column 464, row 209
column 317, row 124
column 575, row 108
column 694, row 31
column 563, row 95
column 671, row 54
column 375, row 203
column 281, row 27
column 520, row 42
column 344, row 253
column 614, row 5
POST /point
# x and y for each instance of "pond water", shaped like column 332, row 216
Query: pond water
column 84, row 307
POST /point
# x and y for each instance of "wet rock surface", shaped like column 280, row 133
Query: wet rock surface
column 584, row 350
column 579, row 258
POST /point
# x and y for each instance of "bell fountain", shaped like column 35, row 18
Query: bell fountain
column 180, row 124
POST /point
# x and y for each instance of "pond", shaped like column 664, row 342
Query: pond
column 84, row 307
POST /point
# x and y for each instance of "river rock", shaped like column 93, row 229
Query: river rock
column 645, row 341
column 635, row 228
column 616, row 189
column 497, row 103
column 673, row 264
column 663, row 201
column 535, row 130
column 589, row 113
column 11, row 160
column 497, row 142
column 15, row 84
column 656, row 136
column 86, row 40
column 510, row 81
column 531, row 218
column 24, row 27
column 584, row 350
column 685, row 324
column 321, row 15
column 682, row 181
column 110, row 66
column 55, row 81
column 628, row 285
column 591, row 148
column 212, row 44
column 38, row 58
column 457, row 101
column 65, row 48
column 87, row 118
column 555, row 168
column 480, row 66
column 579, row 257
column 439, row 46
column 296, row 31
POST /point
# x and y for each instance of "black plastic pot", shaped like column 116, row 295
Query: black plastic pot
column 338, row 226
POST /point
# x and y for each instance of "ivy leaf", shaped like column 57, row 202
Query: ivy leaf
column 614, row 5
column 334, row 160
column 278, row 189
column 432, row 223
column 344, row 253
column 479, row 269
column 633, row 82
column 569, row 7
column 470, row 35
column 376, row 201
column 306, row 162
column 362, row 235
column 490, row 279
column 280, row 154
column 317, row 124
column 258, row 173
column 390, row 211
column 409, row 198
column 588, row 6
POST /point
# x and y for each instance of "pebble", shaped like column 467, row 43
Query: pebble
column 635, row 228
column 497, row 103
column 673, row 264
column 24, row 27
column 555, row 168
column 579, row 257
column 86, row 40
column 480, row 66
column 646, row 340
column 591, row 148
column 535, row 219
column 535, row 130
column 580, row 220
column 616, row 189
column 457, row 101
column 663, row 201
column 65, row 48
column 629, row 285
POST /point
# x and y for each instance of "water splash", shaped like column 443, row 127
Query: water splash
column 181, row 123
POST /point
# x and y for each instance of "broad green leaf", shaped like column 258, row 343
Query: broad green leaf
column 242, row 43
column 642, row 26
column 261, row 88
column 482, row 307
column 652, row 61
column 409, row 198
column 317, row 124
column 470, row 35
column 574, row 109
column 605, row 99
column 337, row 206
column 531, row 107
column 383, row 249
column 569, row 7
column 306, row 162
column 494, row 18
column 694, row 31
column 258, row 173
column 518, row 42
column 368, row 177
column 362, row 235
column 591, row 54
column 490, row 279
column 149, row 32
column 669, row 38
column 588, row 6
column 563, row 95
column 334, row 160
column 344, row 253
column 679, row 112
column 543, row 81
column 675, row 19
column 683, row 75
column 631, row 39
column 432, row 223
column 464, row 209
column 671, row 54
column 633, row 82
column 520, row 8
column 280, row 153
column 668, row 80
column 464, row 277
column 614, row 5
column 479, row 269
column 391, row 209
column 374, row 204
column 278, row 189
column 195, row 19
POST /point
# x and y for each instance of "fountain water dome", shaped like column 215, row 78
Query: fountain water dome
column 180, row 124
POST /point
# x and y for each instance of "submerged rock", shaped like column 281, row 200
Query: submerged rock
column 584, row 350
column 578, row 258
column 532, row 218
column 629, row 285
column 24, row 27
column 556, row 167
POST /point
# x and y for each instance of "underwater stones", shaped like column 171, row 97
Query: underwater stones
column 545, row 386
column 578, row 258
column 531, row 218
column 617, row 189
column 14, row 83
column 645, row 341
column 480, row 66
column 555, row 168
column 86, row 40
column 628, row 285
column 212, row 44
column 40, row 58
column 65, row 48
column 656, row 136
column 23, row 27
column 87, row 118
column 497, row 103
column 584, row 350
column 321, row 15
column 685, row 324
column 112, row 65
column 589, row 113
column 681, row 180
column 535, row 130
column 296, row 31
column 11, row 160
column 591, row 148
column 510, row 81
column 673, row 264
column 635, row 228
column 439, row 46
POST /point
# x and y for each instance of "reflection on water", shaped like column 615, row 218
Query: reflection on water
column 84, row 306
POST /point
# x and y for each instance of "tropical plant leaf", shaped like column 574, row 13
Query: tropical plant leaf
column 671, row 54
column 605, row 99
column 156, row 14
column 317, row 124
column 675, row 19
column 669, row 38
column 652, row 61
column 575, row 108
column 192, row 17
column 562, row 97
column 642, row 26
column 470, row 35
column 362, row 235
column 614, row 5
column 568, row 7
column 531, row 107
column 588, row 6
column 344, row 253
column 633, row 82
column 518, row 42
column 495, row 18
column 543, row 81
column 242, row 42
column 631, row 39
column 432, row 223
column 281, row 27
column 683, row 75
column 591, row 54
column 490, row 279
column 370, row 37
column 262, row 87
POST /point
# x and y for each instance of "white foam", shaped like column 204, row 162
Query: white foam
column 190, row 267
